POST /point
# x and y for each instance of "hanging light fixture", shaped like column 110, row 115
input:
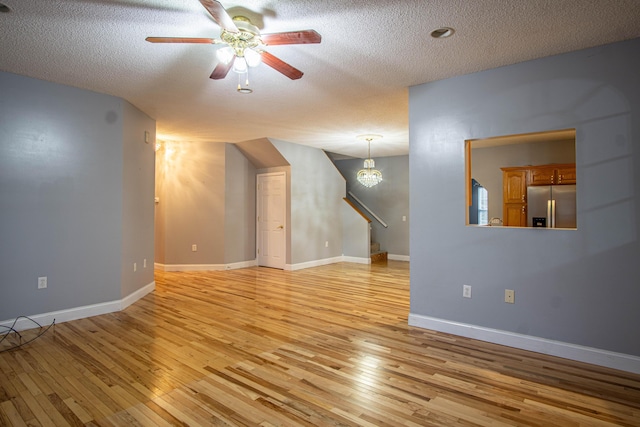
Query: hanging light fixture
column 369, row 176
column 242, row 50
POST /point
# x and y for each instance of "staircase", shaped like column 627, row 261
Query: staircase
column 374, row 247
column 376, row 254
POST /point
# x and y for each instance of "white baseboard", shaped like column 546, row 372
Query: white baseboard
column 191, row 267
column 356, row 260
column 76, row 313
column 206, row 267
column 136, row 295
column 241, row 264
column 315, row 263
column 253, row 263
column 609, row 359
column 394, row 257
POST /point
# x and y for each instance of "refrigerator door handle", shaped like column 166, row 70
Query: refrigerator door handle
column 549, row 213
column 553, row 213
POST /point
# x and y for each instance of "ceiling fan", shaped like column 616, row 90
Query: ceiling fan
column 245, row 44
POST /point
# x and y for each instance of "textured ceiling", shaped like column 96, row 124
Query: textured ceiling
column 356, row 81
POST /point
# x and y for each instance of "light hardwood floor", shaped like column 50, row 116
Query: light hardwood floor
column 321, row 346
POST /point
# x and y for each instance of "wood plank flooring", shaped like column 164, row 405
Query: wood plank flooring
column 321, row 346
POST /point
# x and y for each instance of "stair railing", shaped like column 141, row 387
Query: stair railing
column 384, row 224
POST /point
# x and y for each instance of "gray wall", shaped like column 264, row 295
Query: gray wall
column 207, row 198
column 138, row 168
column 486, row 164
column 62, row 174
column 356, row 240
column 159, row 207
column 316, row 193
column 240, row 207
column 389, row 200
column 192, row 202
column 575, row 286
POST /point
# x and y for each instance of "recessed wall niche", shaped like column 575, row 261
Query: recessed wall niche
column 523, row 180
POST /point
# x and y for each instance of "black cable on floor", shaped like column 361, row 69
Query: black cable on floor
column 11, row 329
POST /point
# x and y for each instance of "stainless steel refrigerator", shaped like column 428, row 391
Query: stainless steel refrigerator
column 551, row 206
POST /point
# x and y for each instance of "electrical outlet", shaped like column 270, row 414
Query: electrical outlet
column 326, row 244
column 144, row 263
column 135, row 267
column 509, row 296
column 42, row 282
column 194, row 248
column 466, row 291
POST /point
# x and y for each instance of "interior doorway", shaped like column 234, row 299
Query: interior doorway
column 271, row 220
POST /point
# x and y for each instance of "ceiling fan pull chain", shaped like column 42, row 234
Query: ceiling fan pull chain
column 245, row 89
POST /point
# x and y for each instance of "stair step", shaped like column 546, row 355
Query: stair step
column 379, row 257
column 375, row 247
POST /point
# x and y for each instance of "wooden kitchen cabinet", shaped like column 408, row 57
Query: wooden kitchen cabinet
column 515, row 215
column 566, row 175
column 542, row 176
column 514, row 197
column 514, row 185
column 552, row 174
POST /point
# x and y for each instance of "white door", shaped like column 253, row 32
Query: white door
column 271, row 231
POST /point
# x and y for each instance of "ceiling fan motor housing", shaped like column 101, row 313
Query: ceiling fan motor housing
column 248, row 36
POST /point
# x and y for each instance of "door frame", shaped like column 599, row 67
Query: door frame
column 284, row 210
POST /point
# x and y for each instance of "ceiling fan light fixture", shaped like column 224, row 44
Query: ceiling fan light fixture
column 225, row 54
column 240, row 65
column 252, row 57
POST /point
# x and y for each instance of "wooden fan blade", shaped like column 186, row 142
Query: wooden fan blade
column 220, row 15
column 180, row 40
column 293, row 37
column 281, row 66
column 221, row 70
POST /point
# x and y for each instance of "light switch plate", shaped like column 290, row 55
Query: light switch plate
column 509, row 296
column 466, row 291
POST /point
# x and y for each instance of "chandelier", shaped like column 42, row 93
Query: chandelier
column 369, row 176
